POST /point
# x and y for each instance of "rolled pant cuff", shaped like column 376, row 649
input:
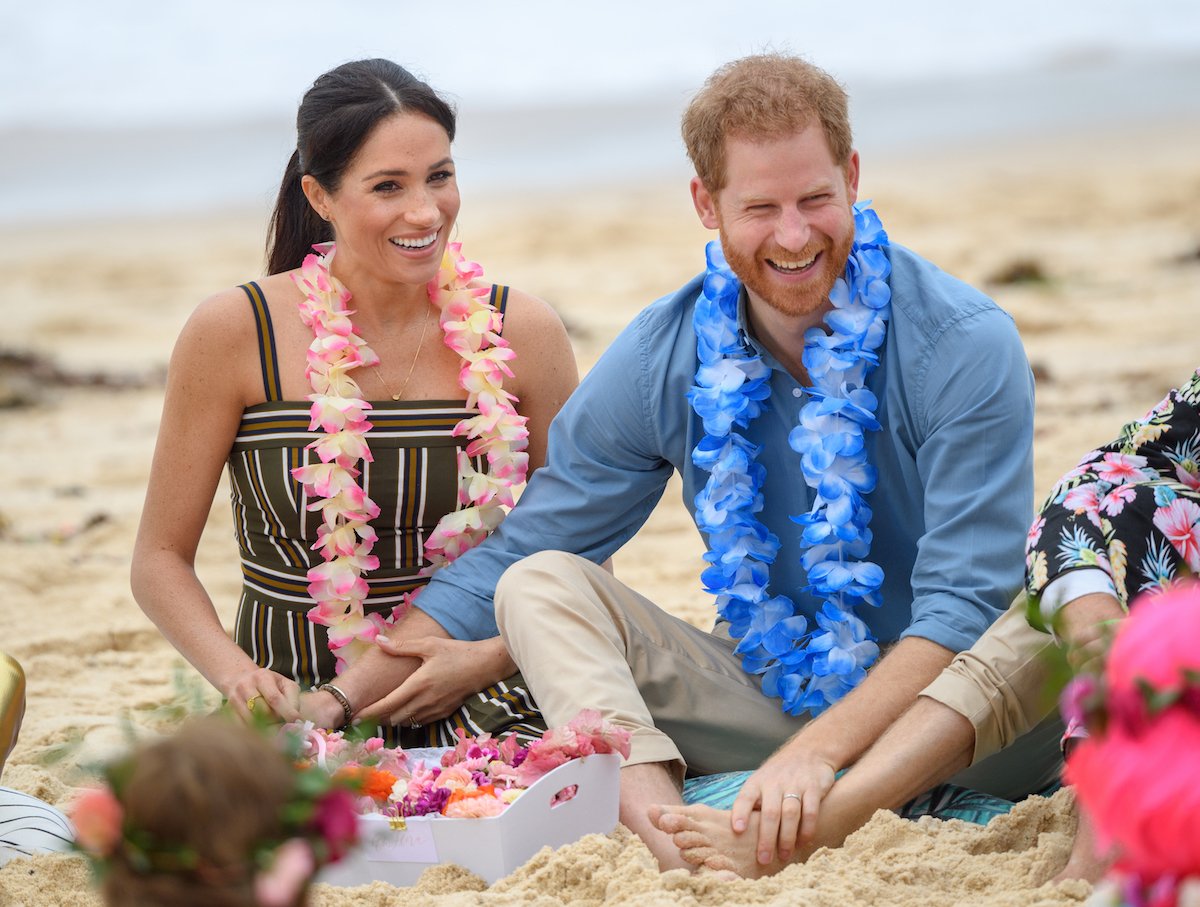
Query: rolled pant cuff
column 646, row 747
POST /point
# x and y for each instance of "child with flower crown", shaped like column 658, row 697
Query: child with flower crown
column 365, row 401
column 216, row 815
column 1135, row 772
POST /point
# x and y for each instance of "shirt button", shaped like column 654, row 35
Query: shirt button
column 796, row 392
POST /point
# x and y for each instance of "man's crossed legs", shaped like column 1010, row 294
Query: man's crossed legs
column 585, row 640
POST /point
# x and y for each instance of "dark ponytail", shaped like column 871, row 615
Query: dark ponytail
column 336, row 116
column 295, row 226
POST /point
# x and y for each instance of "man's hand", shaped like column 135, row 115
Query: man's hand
column 787, row 790
column 791, row 784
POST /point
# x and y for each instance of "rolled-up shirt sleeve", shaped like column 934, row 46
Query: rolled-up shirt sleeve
column 975, row 406
column 602, row 478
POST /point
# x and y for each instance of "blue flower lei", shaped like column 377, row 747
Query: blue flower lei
column 809, row 669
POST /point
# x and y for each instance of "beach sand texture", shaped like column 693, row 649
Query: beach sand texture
column 1093, row 244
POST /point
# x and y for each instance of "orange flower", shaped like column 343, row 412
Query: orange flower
column 473, row 803
column 378, row 784
column 367, row 781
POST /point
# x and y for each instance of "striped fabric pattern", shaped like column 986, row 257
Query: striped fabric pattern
column 413, row 479
column 29, row 826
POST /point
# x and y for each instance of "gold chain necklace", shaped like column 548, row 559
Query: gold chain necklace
column 412, row 368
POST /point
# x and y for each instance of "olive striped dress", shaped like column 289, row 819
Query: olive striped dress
column 413, row 479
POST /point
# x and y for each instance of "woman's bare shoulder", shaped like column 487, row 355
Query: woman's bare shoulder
column 528, row 316
column 230, row 313
column 545, row 357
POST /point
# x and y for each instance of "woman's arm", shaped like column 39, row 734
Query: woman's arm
column 213, row 367
column 378, row 684
column 544, row 372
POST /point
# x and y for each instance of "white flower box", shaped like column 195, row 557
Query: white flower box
column 397, row 852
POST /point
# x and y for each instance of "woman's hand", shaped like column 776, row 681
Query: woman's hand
column 450, row 671
column 261, row 692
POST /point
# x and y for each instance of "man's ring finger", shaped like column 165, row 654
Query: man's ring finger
column 413, row 723
column 250, row 703
column 791, row 797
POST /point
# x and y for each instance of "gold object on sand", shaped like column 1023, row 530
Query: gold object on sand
column 12, row 704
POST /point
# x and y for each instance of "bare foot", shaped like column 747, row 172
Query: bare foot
column 706, row 840
column 1085, row 862
column 650, row 783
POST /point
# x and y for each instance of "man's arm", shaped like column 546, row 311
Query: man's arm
column 973, row 408
column 928, row 744
column 603, row 475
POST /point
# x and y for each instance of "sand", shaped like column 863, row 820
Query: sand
column 1092, row 242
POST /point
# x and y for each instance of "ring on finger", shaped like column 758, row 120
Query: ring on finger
column 792, row 797
column 413, row 723
column 250, row 703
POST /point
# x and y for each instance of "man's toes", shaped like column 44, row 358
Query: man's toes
column 671, row 822
column 700, row 856
column 720, row 864
column 689, row 838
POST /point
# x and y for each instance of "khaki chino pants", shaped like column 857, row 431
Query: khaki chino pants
column 585, row 640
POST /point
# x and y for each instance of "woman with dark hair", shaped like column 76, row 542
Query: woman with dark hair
column 362, row 397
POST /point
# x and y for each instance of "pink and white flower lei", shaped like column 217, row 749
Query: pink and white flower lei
column 471, row 327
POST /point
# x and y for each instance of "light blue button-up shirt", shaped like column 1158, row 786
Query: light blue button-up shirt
column 954, row 456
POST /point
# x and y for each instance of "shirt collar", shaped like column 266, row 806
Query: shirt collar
column 749, row 342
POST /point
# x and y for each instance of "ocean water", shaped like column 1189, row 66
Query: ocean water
column 128, row 108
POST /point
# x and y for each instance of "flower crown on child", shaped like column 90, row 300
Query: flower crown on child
column 1135, row 774
column 1088, row 700
column 216, row 806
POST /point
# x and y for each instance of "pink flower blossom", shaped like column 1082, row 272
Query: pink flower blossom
column 1035, row 533
column 362, row 627
column 334, row 413
column 600, row 736
column 1114, row 502
column 97, row 816
column 455, row 777
column 291, row 866
column 1141, row 794
column 1118, row 468
column 325, row 480
column 342, row 447
column 1085, row 499
column 1188, row 473
column 480, row 807
column 1179, row 521
column 336, row 820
